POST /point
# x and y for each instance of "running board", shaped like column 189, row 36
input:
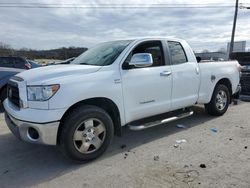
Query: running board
column 139, row 125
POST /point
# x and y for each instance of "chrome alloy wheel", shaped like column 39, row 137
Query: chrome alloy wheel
column 89, row 136
column 221, row 100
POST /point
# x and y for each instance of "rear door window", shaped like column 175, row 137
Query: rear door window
column 177, row 53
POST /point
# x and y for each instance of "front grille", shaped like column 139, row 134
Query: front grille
column 245, row 83
column 13, row 93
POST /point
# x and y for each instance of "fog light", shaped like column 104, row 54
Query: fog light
column 33, row 133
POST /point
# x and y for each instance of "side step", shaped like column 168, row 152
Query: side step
column 159, row 119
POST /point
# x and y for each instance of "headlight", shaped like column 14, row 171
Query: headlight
column 41, row 93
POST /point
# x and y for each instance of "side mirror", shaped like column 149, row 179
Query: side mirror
column 141, row 60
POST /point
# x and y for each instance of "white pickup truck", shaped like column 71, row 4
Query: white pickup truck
column 139, row 83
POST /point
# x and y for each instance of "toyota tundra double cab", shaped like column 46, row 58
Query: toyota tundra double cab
column 138, row 83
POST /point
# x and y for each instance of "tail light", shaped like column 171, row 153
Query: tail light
column 27, row 65
column 239, row 67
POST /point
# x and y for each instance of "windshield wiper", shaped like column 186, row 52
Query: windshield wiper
column 88, row 64
column 84, row 64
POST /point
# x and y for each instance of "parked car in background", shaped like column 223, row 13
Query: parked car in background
column 14, row 62
column 244, row 59
column 5, row 75
column 245, row 80
column 9, row 66
column 33, row 63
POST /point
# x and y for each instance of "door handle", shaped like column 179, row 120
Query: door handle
column 165, row 73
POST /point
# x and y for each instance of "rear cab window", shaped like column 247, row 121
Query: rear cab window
column 177, row 53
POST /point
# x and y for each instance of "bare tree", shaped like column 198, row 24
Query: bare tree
column 60, row 53
column 205, row 51
column 5, row 49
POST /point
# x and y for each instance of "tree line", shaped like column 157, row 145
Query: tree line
column 59, row 53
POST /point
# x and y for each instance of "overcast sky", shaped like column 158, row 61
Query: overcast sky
column 204, row 28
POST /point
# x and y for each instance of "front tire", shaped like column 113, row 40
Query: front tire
column 219, row 102
column 86, row 133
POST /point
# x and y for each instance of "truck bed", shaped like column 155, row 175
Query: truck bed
column 213, row 71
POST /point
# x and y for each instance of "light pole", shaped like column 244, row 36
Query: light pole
column 234, row 25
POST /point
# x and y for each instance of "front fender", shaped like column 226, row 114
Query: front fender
column 96, row 85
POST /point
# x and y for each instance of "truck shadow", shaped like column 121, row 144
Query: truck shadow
column 24, row 165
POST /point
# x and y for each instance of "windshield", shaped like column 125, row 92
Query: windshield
column 102, row 54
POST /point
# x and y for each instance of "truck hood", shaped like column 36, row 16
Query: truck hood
column 43, row 75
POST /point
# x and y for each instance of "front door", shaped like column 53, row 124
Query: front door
column 146, row 91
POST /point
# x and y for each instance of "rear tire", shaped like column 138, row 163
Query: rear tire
column 219, row 102
column 85, row 133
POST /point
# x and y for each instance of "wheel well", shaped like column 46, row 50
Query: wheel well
column 106, row 104
column 227, row 83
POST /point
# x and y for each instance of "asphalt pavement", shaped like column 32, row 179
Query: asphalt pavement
column 207, row 152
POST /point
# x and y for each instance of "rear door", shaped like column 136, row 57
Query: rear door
column 146, row 91
column 186, row 78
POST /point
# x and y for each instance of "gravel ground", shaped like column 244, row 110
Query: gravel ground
column 142, row 159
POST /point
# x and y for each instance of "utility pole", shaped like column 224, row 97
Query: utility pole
column 234, row 25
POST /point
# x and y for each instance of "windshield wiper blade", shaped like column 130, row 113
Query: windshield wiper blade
column 84, row 64
column 88, row 64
